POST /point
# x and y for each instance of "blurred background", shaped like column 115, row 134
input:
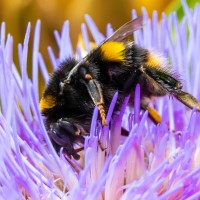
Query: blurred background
column 53, row 13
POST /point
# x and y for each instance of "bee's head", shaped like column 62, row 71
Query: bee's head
column 58, row 93
column 55, row 95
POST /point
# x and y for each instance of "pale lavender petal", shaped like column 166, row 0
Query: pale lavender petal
column 35, row 56
column 52, row 58
column 85, row 37
column 109, row 30
column 43, row 68
column 57, row 38
column 66, row 50
column 94, row 122
column 104, row 134
column 79, row 55
column 111, row 108
column 154, row 29
column 116, row 126
column 98, row 37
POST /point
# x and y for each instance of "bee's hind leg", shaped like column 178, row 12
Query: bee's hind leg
column 153, row 114
column 187, row 99
column 65, row 134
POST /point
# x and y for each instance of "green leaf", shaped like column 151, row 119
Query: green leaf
column 176, row 6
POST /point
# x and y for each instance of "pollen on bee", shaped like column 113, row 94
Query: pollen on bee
column 154, row 60
column 47, row 102
column 113, row 51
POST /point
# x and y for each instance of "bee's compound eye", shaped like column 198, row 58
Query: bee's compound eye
column 82, row 72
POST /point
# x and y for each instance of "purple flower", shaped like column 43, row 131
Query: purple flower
column 152, row 162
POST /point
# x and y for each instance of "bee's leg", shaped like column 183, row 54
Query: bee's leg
column 153, row 114
column 95, row 91
column 172, row 86
column 187, row 99
column 65, row 134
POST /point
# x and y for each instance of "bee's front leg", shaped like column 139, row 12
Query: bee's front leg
column 64, row 133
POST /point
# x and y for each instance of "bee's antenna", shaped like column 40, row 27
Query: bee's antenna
column 71, row 73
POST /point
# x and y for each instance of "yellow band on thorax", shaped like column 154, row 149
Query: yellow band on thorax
column 113, row 51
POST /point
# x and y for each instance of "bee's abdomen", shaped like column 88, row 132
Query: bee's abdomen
column 136, row 56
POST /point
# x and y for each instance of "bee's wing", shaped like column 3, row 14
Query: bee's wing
column 119, row 35
column 126, row 30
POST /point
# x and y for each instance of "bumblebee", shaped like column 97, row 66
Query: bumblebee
column 115, row 65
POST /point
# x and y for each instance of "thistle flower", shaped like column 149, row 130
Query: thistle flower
column 152, row 162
